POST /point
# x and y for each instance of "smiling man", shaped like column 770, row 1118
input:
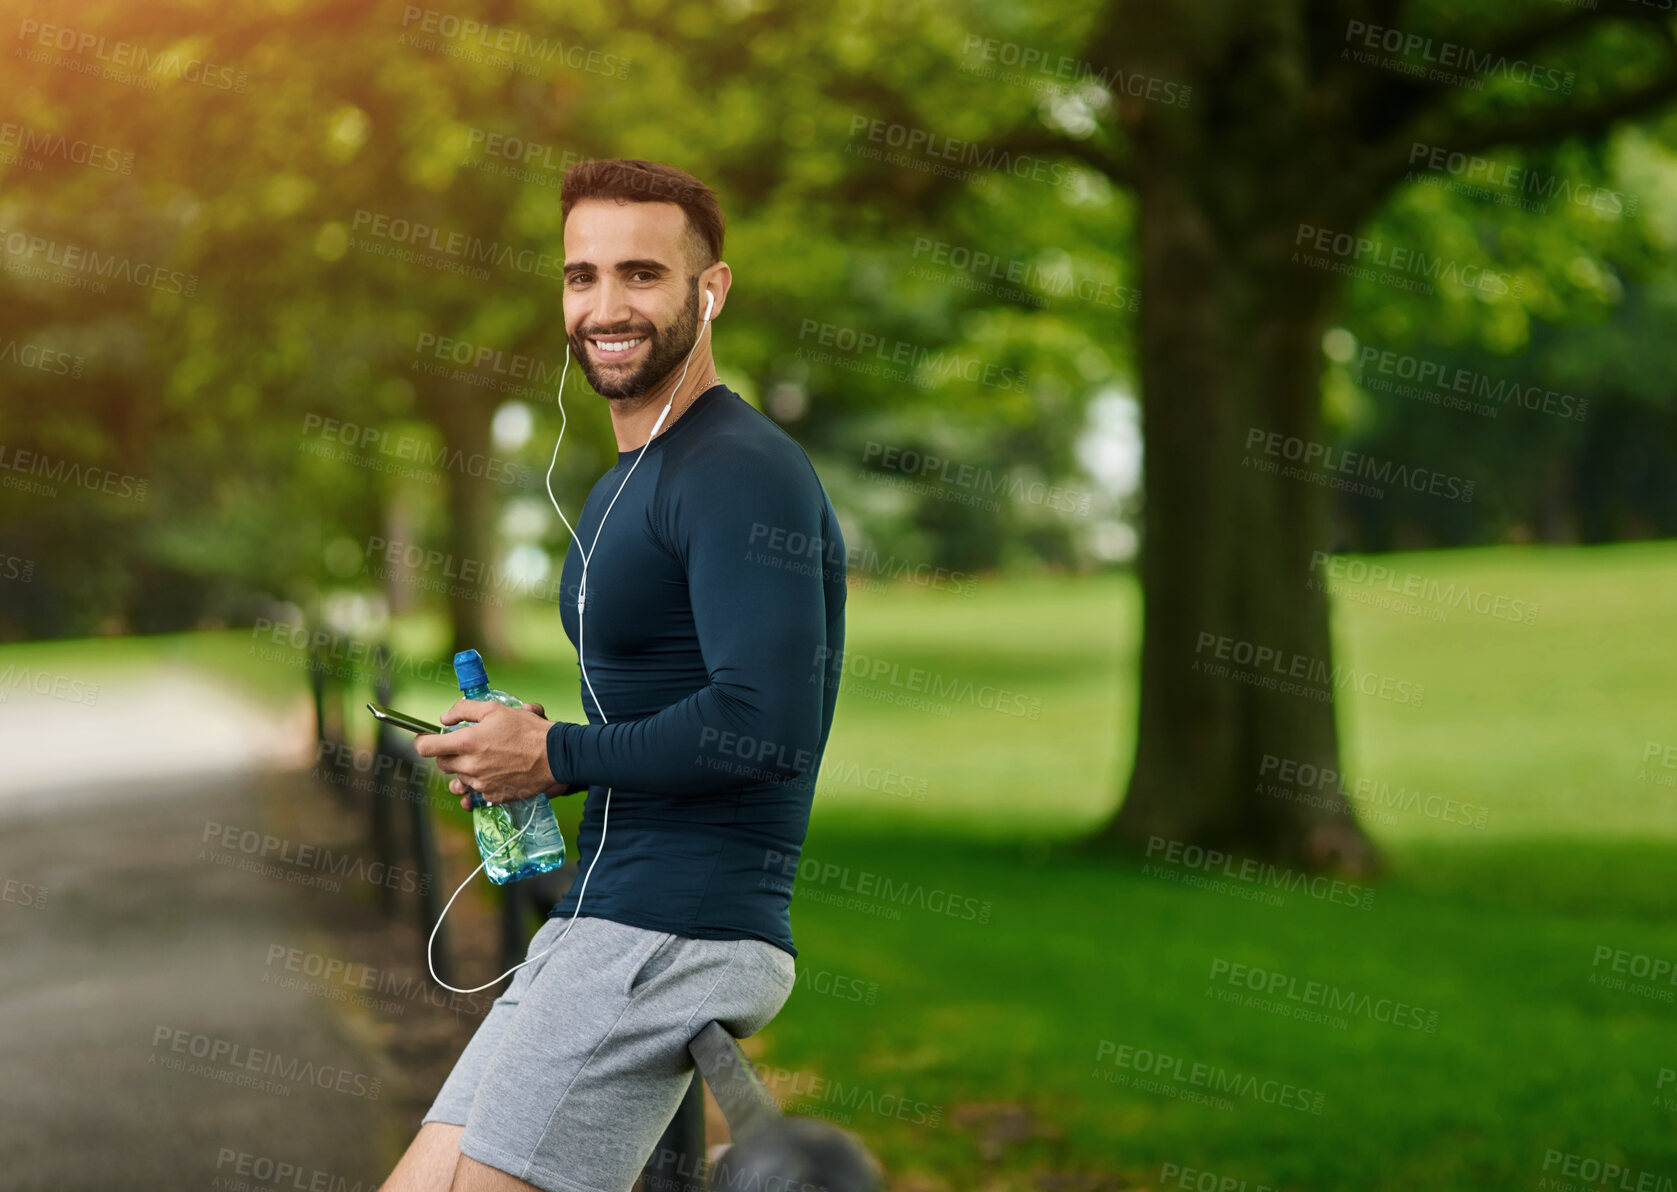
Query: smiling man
column 709, row 655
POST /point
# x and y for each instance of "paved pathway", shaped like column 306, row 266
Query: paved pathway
column 156, row 1025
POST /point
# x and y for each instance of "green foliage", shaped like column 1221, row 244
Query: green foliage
column 264, row 197
column 993, row 309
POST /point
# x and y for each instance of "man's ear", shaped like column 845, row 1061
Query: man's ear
column 715, row 280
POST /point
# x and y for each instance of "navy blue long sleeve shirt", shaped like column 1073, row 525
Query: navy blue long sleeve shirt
column 712, row 637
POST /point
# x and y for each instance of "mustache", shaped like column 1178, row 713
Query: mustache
column 586, row 332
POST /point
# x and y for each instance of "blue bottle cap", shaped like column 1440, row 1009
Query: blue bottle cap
column 468, row 668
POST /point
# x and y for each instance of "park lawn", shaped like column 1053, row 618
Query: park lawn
column 967, row 978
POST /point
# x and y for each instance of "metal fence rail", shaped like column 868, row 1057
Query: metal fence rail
column 768, row 1150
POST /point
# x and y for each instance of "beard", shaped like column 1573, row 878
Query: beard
column 667, row 348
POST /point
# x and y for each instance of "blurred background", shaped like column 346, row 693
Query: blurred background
column 1254, row 434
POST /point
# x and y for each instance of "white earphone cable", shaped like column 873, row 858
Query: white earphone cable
column 581, row 601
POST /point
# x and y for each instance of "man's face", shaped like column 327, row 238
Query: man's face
column 631, row 297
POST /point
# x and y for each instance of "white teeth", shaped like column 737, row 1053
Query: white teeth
column 627, row 345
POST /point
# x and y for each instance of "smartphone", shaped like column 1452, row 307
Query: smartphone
column 403, row 721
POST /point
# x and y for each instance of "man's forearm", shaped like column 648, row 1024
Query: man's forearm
column 701, row 745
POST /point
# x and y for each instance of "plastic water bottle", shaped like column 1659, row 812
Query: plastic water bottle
column 520, row 838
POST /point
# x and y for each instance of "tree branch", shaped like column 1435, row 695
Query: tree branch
column 1407, row 101
column 1547, row 125
column 1387, row 161
column 1518, row 42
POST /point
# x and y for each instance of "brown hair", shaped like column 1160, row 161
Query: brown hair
column 635, row 181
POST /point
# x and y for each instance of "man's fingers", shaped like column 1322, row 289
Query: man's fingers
column 470, row 709
column 538, row 710
column 442, row 744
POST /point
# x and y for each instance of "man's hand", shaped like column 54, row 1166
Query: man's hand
column 503, row 756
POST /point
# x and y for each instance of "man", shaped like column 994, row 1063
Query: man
column 709, row 667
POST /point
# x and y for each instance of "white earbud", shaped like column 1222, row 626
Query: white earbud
column 710, row 301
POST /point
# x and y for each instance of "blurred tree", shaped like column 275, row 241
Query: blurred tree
column 1213, row 144
column 1304, row 117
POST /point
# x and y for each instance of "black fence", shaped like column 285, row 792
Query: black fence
column 768, row 1149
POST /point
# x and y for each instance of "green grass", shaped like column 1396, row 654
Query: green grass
column 984, row 1028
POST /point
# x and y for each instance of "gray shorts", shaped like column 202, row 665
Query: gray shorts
column 578, row 1067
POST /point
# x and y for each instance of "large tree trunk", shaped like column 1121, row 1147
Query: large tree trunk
column 1230, row 345
column 460, row 413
